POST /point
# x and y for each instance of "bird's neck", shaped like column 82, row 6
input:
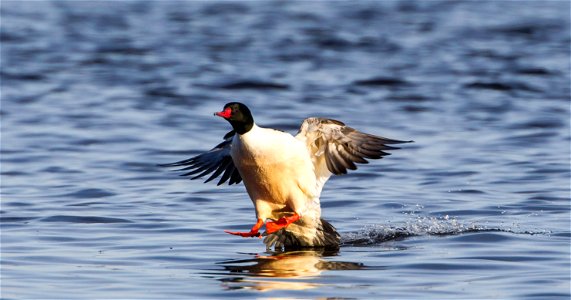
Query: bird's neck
column 243, row 127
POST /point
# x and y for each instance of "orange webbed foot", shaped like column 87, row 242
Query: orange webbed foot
column 244, row 234
column 282, row 222
column 254, row 232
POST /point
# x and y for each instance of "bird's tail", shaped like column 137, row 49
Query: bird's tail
column 315, row 234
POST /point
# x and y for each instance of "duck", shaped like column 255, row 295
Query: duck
column 284, row 174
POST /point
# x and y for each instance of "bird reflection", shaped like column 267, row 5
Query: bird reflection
column 294, row 268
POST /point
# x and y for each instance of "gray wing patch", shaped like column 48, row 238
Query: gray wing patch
column 343, row 147
column 216, row 161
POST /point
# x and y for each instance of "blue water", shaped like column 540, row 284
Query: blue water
column 95, row 94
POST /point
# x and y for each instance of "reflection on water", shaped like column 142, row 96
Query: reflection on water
column 295, row 268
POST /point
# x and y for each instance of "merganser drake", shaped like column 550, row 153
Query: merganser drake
column 284, row 174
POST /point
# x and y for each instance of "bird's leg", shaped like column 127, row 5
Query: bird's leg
column 282, row 222
column 254, row 232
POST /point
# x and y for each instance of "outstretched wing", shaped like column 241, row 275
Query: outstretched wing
column 216, row 161
column 335, row 148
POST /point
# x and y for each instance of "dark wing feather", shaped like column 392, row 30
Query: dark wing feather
column 339, row 147
column 216, row 161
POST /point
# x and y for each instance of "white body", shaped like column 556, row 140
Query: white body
column 278, row 173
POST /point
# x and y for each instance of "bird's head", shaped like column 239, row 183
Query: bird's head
column 238, row 115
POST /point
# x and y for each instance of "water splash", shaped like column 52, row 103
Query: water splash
column 442, row 226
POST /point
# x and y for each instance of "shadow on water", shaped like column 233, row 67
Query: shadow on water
column 289, row 270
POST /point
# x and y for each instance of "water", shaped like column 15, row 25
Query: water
column 95, row 94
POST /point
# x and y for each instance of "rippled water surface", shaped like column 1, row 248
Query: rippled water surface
column 95, row 94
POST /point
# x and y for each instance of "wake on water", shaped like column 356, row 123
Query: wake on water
column 304, row 262
column 422, row 226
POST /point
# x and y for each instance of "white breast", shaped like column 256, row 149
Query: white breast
column 277, row 171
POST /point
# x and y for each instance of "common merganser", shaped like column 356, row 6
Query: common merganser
column 284, row 174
